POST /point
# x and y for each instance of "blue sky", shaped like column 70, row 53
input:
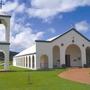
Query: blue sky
column 43, row 19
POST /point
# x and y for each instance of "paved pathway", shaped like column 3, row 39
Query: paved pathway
column 81, row 75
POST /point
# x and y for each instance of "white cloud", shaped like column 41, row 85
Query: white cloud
column 10, row 6
column 52, row 30
column 24, row 38
column 21, row 8
column 45, row 9
column 82, row 26
column 22, row 35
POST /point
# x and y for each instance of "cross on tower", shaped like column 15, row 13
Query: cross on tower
column 1, row 3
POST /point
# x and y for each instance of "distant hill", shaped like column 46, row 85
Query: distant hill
column 10, row 55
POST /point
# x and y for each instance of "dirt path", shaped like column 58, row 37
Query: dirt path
column 81, row 75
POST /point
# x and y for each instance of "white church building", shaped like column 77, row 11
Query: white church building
column 70, row 49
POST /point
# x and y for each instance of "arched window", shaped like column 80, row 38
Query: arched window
column 56, row 56
column 44, row 62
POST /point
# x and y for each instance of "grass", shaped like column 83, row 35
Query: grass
column 23, row 79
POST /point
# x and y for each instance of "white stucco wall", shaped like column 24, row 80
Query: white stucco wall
column 23, row 61
column 45, row 48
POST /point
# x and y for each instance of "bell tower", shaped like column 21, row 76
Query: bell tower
column 4, row 45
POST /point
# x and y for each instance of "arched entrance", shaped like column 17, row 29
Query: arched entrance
column 73, row 56
column 44, row 62
column 88, row 56
column 2, row 60
column 56, row 56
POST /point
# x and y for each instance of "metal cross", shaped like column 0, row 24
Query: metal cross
column 1, row 3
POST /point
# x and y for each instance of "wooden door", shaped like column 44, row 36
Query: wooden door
column 67, row 60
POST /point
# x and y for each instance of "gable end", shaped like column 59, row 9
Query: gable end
column 63, row 35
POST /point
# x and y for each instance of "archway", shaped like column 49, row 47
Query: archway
column 44, row 62
column 88, row 56
column 56, row 56
column 2, row 32
column 73, row 56
column 2, row 60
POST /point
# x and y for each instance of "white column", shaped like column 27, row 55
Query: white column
column 83, row 56
column 25, row 61
column 31, row 61
column 20, row 62
column 28, row 61
column 38, row 61
column 62, row 56
column 50, row 60
column 7, row 33
column 14, row 61
column 6, row 61
column 35, row 67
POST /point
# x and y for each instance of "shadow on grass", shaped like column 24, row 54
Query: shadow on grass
column 17, row 69
column 46, row 70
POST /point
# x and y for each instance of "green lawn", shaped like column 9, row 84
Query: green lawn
column 23, row 79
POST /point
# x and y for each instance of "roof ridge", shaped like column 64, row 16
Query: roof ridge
column 64, row 34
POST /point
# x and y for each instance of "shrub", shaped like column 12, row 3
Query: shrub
column 85, row 65
column 63, row 66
